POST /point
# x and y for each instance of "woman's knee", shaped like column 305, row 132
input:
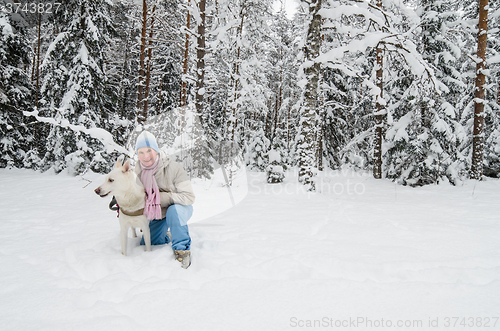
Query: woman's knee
column 179, row 214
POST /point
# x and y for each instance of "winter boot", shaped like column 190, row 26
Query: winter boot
column 184, row 257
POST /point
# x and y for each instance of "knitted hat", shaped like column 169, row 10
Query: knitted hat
column 146, row 139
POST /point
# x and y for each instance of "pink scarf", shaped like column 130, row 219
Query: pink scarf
column 152, row 209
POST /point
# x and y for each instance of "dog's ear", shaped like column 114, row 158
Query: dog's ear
column 118, row 164
column 126, row 166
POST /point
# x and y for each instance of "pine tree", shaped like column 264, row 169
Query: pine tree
column 282, row 71
column 256, row 151
column 236, row 71
column 277, row 156
column 165, row 71
column 121, row 70
column 17, row 141
column 74, row 87
column 420, row 140
column 191, row 146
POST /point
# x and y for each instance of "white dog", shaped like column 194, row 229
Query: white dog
column 123, row 183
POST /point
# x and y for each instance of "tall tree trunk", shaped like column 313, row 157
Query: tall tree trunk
column 276, row 116
column 426, row 40
column 233, row 120
column 379, row 114
column 280, row 93
column 183, row 96
column 148, row 66
column 279, row 98
column 498, row 93
column 39, row 43
column 33, row 67
column 320, row 147
column 185, row 62
column 288, row 119
column 159, row 96
column 123, row 91
column 319, row 129
column 37, row 73
column 200, row 64
column 476, row 171
column 141, row 117
column 306, row 141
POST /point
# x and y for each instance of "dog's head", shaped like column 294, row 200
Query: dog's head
column 114, row 180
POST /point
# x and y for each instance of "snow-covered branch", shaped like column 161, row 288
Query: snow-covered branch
column 100, row 134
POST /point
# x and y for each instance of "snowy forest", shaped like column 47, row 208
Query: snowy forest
column 406, row 89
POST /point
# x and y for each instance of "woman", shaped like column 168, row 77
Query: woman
column 169, row 197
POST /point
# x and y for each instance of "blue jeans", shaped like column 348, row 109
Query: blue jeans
column 175, row 219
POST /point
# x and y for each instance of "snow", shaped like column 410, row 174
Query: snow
column 398, row 130
column 83, row 55
column 290, row 7
column 363, row 250
column 60, row 37
column 274, row 155
column 371, row 41
column 448, row 109
column 100, row 134
column 6, row 27
column 443, row 127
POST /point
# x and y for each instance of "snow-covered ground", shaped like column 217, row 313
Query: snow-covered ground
column 363, row 254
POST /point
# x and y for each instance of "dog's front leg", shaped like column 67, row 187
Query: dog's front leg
column 147, row 237
column 123, row 239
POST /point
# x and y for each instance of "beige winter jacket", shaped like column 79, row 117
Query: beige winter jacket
column 173, row 182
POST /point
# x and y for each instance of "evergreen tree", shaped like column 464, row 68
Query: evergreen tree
column 192, row 149
column 17, row 141
column 418, row 148
column 282, row 77
column 277, row 156
column 257, row 151
column 74, row 87
column 121, row 69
